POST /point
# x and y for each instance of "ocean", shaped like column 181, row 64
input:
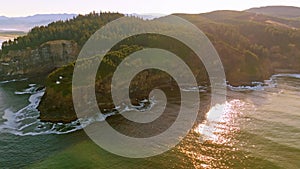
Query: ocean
column 259, row 128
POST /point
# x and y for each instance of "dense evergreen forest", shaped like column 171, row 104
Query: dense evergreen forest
column 246, row 32
column 266, row 42
column 252, row 47
column 78, row 29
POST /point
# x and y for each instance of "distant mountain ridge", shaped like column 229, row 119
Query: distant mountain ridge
column 28, row 22
column 277, row 11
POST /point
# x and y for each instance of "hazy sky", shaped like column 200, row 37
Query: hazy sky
column 30, row 7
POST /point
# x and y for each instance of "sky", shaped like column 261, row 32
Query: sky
column 14, row 8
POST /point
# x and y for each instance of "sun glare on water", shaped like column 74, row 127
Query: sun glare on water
column 221, row 122
column 215, row 145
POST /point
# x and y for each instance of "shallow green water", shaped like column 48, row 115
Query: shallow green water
column 259, row 128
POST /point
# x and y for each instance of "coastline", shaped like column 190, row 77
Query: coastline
column 111, row 113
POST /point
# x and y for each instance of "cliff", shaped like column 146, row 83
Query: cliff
column 241, row 68
column 251, row 47
column 42, row 60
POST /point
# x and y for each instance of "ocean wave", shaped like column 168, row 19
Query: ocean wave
column 201, row 89
column 25, row 122
column 260, row 86
column 31, row 90
column 287, row 75
column 13, row 80
column 256, row 86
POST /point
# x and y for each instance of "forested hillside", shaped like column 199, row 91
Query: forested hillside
column 239, row 37
column 272, row 44
column 252, row 47
column 78, row 29
column 278, row 11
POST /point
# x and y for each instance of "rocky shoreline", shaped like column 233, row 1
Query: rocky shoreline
column 251, row 50
column 57, row 105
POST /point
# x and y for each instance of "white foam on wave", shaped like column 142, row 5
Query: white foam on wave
column 30, row 90
column 257, row 86
column 288, row 75
column 201, row 89
column 25, row 122
column 144, row 105
column 13, row 80
column 17, row 122
column 9, row 116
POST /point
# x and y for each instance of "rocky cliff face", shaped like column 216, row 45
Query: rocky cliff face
column 44, row 59
column 251, row 48
column 241, row 68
